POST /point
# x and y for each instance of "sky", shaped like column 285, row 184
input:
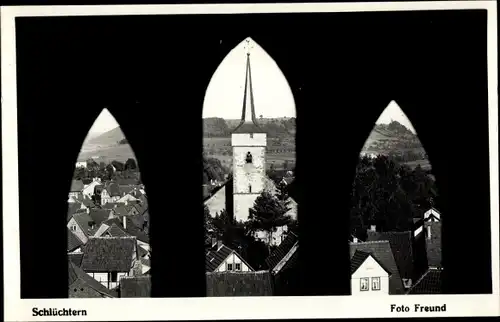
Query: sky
column 394, row 112
column 104, row 122
column 272, row 94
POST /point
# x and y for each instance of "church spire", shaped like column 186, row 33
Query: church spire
column 248, row 123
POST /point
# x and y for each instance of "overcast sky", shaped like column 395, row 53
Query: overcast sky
column 104, row 122
column 272, row 94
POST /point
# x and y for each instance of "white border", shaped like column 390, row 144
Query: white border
column 227, row 308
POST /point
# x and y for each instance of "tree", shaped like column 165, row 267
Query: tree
column 267, row 214
column 130, row 164
column 118, row 165
column 110, row 171
column 285, row 165
column 209, row 224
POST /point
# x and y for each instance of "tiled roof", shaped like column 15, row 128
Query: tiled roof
column 358, row 259
column 76, row 273
column 120, row 210
column 73, row 241
column 381, row 251
column 131, row 229
column 429, row 283
column 125, row 188
column 76, row 186
column 84, row 220
column 141, row 208
column 99, row 215
column 137, row 286
column 113, row 189
column 73, row 207
column 108, row 254
column 110, row 205
column 239, row 284
column 76, row 258
column 402, row 249
column 280, row 252
column 214, row 258
column 115, row 231
column 88, row 202
column 142, row 251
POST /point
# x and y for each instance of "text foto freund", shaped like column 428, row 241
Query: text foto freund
column 418, row 308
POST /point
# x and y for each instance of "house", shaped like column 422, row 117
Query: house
column 110, row 193
column 127, row 225
column 282, row 264
column 135, row 286
column 128, row 197
column 73, row 208
column 429, row 283
column 381, row 260
column 89, row 189
column 368, row 275
column 81, row 285
column 404, row 252
column 221, row 258
column 82, row 225
column 108, row 259
column 76, row 189
column 428, row 230
column 81, row 164
column 273, row 239
column 239, row 284
column 74, row 243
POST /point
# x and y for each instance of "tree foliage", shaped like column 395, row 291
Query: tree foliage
column 389, row 195
column 130, row 164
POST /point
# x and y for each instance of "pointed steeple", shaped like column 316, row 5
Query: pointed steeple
column 248, row 123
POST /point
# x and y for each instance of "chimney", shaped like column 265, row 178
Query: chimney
column 373, row 228
column 214, row 241
column 429, row 232
column 124, row 222
column 126, row 202
column 355, row 239
column 87, row 210
column 219, row 244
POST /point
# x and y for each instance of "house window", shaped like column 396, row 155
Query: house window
column 375, row 283
column 114, row 276
column 229, row 267
column 238, row 266
column 248, row 158
column 251, row 135
column 364, row 286
column 250, row 188
column 73, row 227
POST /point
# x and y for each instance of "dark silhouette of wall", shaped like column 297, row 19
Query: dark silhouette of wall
column 152, row 73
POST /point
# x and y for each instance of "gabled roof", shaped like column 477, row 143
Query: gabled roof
column 282, row 250
column 75, row 273
column 73, row 207
column 120, row 210
column 381, row 251
column 214, row 258
column 110, row 205
column 402, row 249
column 358, row 259
column 87, row 202
column 137, row 286
column 76, row 258
column 73, row 241
column 115, row 231
column 113, row 189
column 429, row 283
column 109, row 254
column 99, row 215
column 76, row 186
column 131, row 229
column 239, row 284
column 84, row 220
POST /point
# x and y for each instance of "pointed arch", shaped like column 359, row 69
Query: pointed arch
column 392, row 193
column 107, row 199
column 249, row 117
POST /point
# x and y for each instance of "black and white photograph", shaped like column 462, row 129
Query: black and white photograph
column 208, row 132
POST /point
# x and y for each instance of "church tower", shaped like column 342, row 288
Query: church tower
column 249, row 143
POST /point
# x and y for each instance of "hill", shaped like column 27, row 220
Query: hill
column 108, row 138
column 215, row 127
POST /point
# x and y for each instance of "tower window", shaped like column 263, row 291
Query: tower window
column 248, row 159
